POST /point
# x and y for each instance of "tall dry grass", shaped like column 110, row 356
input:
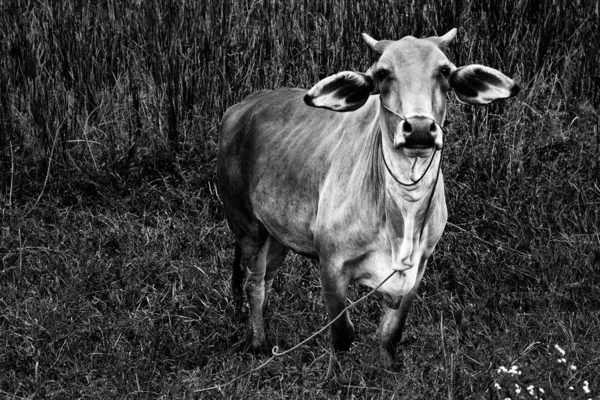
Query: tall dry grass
column 98, row 81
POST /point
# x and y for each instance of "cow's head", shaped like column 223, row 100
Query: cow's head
column 412, row 77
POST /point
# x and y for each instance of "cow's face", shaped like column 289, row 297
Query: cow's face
column 412, row 76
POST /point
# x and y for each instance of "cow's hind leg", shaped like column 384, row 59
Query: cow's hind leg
column 274, row 254
column 262, row 266
column 237, row 280
column 393, row 320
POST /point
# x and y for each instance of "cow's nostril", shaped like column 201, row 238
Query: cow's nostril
column 432, row 127
column 407, row 127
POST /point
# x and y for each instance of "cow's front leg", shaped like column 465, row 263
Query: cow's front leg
column 335, row 293
column 393, row 320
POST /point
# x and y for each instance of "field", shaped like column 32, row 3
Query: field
column 115, row 255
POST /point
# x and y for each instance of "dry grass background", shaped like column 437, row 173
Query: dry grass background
column 114, row 254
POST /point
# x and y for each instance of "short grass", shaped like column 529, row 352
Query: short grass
column 115, row 256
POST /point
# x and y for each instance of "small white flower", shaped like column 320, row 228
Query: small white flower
column 497, row 386
column 571, row 388
column 561, row 351
column 586, row 387
column 573, row 368
column 514, row 370
column 502, row 369
column 517, row 389
column 541, row 390
column 530, row 390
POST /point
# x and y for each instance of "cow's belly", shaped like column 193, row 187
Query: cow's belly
column 292, row 226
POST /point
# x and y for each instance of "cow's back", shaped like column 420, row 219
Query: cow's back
column 275, row 153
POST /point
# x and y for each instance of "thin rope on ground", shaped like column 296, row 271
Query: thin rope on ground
column 275, row 350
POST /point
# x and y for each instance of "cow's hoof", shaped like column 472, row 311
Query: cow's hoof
column 386, row 359
column 260, row 348
column 389, row 361
column 249, row 344
column 335, row 369
column 342, row 341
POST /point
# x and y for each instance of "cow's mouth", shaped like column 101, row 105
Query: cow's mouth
column 418, row 146
column 419, row 142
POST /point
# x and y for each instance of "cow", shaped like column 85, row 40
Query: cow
column 347, row 173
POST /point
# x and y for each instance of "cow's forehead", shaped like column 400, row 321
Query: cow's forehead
column 409, row 50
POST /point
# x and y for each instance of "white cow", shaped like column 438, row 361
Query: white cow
column 348, row 173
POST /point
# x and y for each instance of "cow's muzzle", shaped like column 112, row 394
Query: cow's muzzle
column 417, row 133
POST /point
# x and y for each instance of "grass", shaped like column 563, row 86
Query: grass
column 115, row 256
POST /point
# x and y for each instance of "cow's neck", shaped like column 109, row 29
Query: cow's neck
column 406, row 206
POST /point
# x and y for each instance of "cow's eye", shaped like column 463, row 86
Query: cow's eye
column 445, row 71
column 381, row 74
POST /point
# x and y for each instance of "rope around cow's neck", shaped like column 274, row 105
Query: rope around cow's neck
column 444, row 130
column 437, row 176
column 394, row 176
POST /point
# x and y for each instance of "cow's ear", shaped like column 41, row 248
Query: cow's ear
column 344, row 91
column 477, row 84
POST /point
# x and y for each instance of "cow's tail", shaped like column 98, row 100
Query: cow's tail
column 237, row 280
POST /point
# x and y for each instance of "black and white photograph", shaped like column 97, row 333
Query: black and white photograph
column 300, row 199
